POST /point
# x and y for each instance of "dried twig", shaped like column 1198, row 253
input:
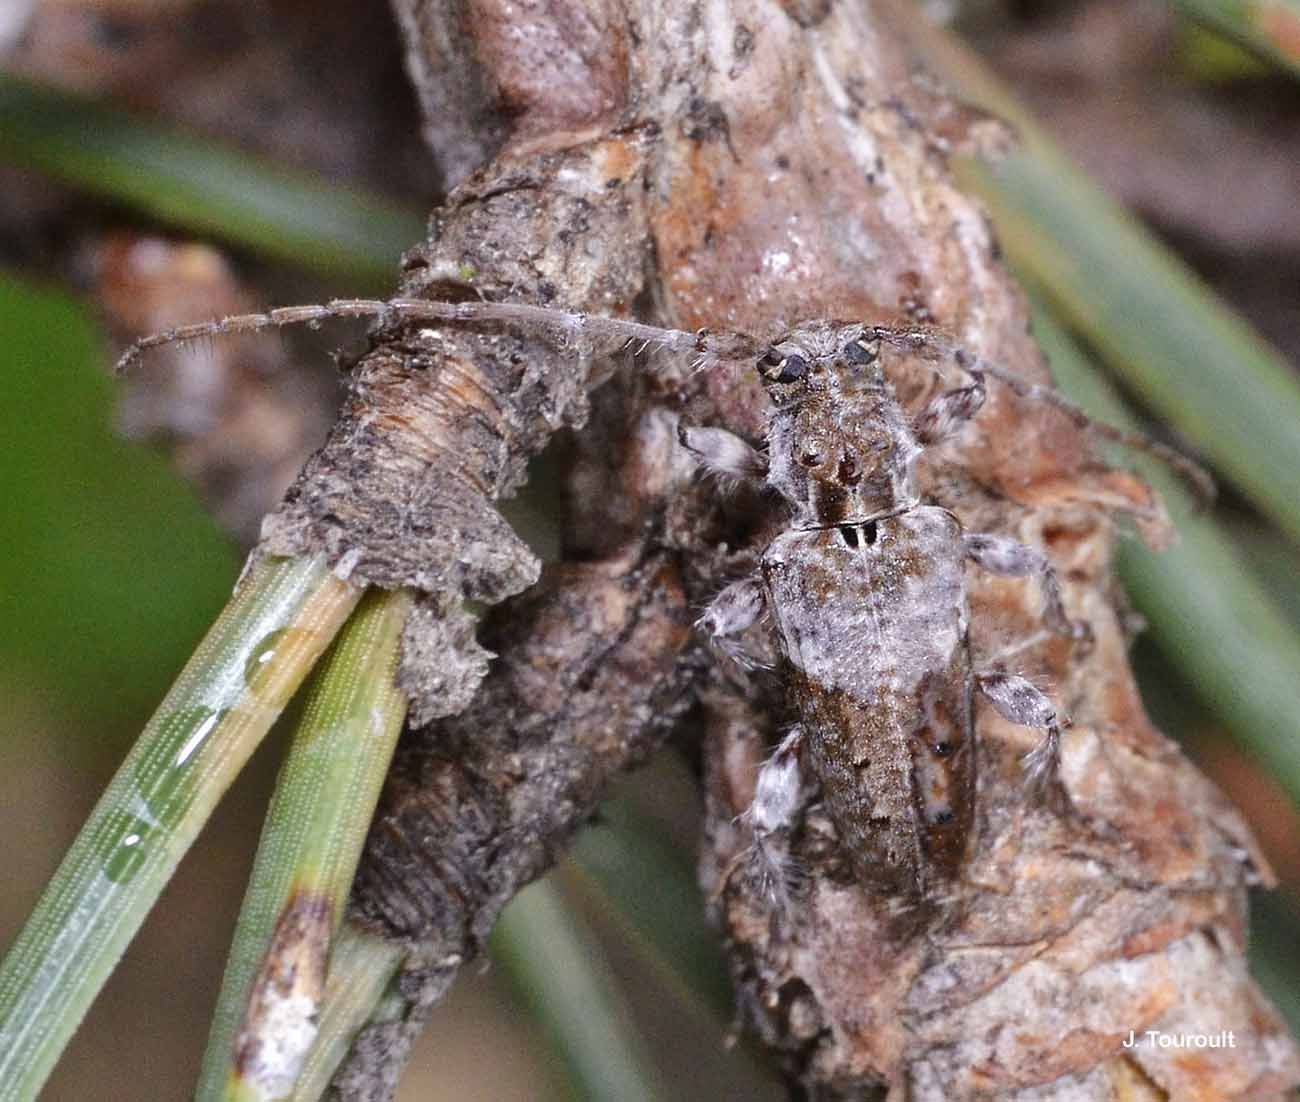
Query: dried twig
column 593, row 675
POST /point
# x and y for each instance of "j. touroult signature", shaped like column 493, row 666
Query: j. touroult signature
column 1157, row 1038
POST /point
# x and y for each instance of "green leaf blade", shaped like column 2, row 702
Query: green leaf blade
column 202, row 187
column 1269, row 28
column 200, row 737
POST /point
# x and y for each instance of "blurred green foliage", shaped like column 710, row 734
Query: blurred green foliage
column 196, row 184
column 1270, row 29
column 544, row 946
column 1218, row 624
column 111, row 568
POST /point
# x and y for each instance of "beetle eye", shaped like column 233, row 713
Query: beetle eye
column 863, row 350
column 783, row 369
column 794, row 367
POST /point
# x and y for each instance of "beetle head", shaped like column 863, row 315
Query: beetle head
column 840, row 447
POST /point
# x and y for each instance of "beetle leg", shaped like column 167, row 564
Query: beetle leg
column 1010, row 559
column 1017, row 699
column 730, row 614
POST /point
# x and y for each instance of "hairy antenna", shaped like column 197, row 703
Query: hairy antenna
column 1196, row 477
column 595, row 334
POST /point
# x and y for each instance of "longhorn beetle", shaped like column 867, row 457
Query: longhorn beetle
column 865, row 588
column 867, row 595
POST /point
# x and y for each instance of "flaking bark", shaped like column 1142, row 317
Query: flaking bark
column 439, row 423
column 593, row 674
